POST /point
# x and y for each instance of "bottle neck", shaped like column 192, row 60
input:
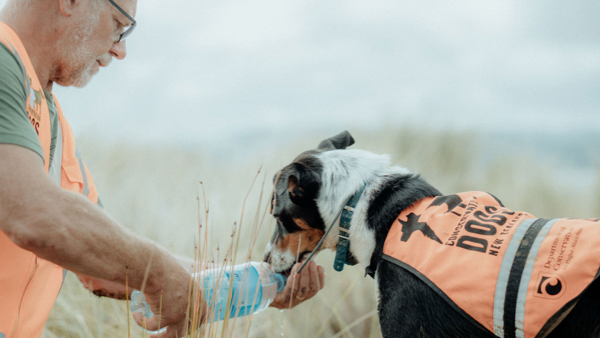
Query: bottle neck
column 281, row 280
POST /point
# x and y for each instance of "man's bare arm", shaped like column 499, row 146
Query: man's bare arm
column 65, row 228
column 104, row 288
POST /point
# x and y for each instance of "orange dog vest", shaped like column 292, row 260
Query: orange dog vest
column 507, row 272
column 29, row 285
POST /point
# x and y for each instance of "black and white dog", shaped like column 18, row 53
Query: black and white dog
column 311, row 191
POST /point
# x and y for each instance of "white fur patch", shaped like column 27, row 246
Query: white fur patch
column 281, row 260
column 344, row 173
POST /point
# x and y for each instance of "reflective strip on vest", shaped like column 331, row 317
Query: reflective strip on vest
column 63, row 280
column 545, row 226
column 86, row 189
column 55, row 166
column 507, row 262
column 519, row 276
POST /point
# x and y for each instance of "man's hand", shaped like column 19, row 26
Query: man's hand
column 105, row 288
column 174, row 307
column 300, row 287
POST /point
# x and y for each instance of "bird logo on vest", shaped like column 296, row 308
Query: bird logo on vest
column 412, row 224
column 452, row 201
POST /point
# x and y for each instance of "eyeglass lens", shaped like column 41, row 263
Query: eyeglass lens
column 129, row 30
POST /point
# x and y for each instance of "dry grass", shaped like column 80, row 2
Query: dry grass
column 155, row 191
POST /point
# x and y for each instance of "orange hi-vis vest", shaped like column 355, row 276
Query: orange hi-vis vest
column 29, row 285
column 507, row 272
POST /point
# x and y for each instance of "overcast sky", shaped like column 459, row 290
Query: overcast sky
column 231, row 70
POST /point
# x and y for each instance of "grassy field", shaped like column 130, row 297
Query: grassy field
column 155, row 190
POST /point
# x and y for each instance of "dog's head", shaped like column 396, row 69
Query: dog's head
column 300, row 225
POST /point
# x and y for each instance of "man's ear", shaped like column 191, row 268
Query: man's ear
column 339, row 141
column 303, row 187
column 67, row 7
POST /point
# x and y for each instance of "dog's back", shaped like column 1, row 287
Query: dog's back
column 507, row 271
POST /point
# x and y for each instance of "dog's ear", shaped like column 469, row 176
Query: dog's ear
column 339, row 141
column 303, row 186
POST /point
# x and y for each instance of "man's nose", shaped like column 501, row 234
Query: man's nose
column 119, row 50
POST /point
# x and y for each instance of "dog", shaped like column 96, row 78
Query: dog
column 459, row 265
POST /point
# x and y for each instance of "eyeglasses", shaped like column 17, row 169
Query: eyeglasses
column 130, row 29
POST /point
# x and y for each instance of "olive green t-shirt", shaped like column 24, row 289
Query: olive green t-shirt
column 15, row 127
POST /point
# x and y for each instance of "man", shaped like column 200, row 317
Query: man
column 50, row 213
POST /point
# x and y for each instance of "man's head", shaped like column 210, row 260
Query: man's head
column 77, row 36
column 93, row 41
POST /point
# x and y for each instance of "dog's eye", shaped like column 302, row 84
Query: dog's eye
column 310, row 238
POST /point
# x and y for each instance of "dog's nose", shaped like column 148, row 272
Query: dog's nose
column 267, row 257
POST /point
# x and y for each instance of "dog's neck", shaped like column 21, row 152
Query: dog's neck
column 389, row 190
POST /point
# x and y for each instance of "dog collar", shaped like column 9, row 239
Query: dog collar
column 342, row 252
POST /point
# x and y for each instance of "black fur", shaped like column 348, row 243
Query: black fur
column 339, row 141
column 301, row 203
column 399, row 193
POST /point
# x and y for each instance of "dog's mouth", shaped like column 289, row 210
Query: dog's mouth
column 301, row 259
column 287, row 272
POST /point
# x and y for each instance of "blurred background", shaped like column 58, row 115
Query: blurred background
column 475, row 95
column 241, row 80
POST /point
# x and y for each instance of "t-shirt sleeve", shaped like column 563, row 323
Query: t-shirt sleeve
column 15, row 127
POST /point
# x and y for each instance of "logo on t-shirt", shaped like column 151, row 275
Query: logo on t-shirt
column 34, row 108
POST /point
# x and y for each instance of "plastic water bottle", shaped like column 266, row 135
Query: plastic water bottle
column 253, row 288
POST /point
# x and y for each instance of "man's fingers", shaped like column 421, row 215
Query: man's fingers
column 321, row 272
column 314, row 280
column 302, row 286
column 170, row 332
column 294, row 281
column 149, row 324
column 138, row 317
column 174, row 332
column 163, row 334
column 303, row 282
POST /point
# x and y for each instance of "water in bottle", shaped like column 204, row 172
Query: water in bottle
column 253, row 288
